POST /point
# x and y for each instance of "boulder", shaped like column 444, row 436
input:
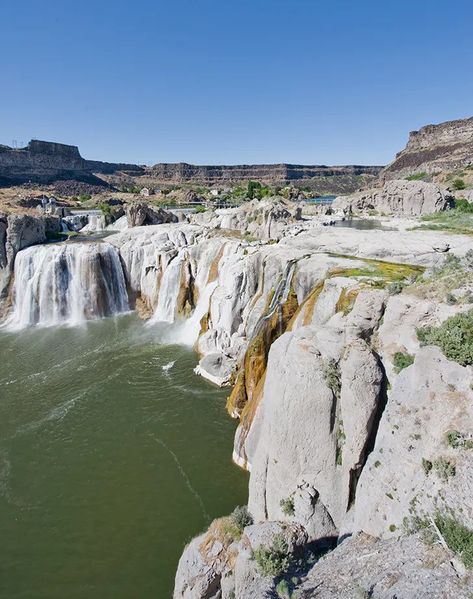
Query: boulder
column 139, row 214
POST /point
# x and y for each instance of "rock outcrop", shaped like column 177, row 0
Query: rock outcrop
column 139, row 214
column 16, row 233
column 339, row 443
column 397, row 197
column 259, row 219
column 434, row 149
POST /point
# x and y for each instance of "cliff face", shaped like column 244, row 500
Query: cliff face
column 268, row 173
column 434, row 149
column 46, row 162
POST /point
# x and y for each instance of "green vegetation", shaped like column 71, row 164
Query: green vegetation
column 60, row 235
column 241, row 517
column 287, row 506
column 450, row 299
column 105, row 208
column 451, row 274
column 283, row 590
column 463, row 205
column 228, row 531
column 458, row 184
column 395, row 288
column 454, row 337
column 258, row 191
column 332, row 376
column 84, row 197
column 274, row 559
column 458, row 220
column 444, row 469
column 402, row 360
column 417, row 176
column 457, row 440
column 458, row 537
column 378, row 273
column 427, row 466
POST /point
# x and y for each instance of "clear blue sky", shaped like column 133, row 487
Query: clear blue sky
column 232, row 81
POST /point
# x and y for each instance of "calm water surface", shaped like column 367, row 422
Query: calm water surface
column 113, row 454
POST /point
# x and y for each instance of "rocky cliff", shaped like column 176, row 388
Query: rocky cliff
column 45, row 162
column 18, row 232
column 356, row 429
column 434, row 149
column 266, row 173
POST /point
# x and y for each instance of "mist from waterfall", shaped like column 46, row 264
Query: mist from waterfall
column 67, row 283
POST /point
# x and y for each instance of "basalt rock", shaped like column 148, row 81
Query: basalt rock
column 433, row 149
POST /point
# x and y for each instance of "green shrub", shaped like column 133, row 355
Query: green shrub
column 444, row 469
column 275, row 559
column 241, row 517
column 283, row 590
column 339, row 456
column 229, row 531
column 417, row 176
column 458, row 537
column 253, row 189
column 105, row 208
column 456, row 439
column 84, row 197
column 427, row 466
column 287, row 506
column 463, row 205
column 458, row 184
column 450, row 299
column 454, row 337
column 394, row 288
column 402, row 360
column 332, row 376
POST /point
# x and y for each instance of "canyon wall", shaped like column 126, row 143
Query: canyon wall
column 433, row 149
column 343, row 446
column 45, row 162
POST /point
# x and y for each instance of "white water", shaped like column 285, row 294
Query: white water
column 67, row 283
column 169, row 291
column 187, row 332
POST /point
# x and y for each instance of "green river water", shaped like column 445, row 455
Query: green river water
column 109, row 463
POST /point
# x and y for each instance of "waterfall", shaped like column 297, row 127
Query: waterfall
column 203, row 261
column 169, row 290
column 188, row 331
column 67, row 283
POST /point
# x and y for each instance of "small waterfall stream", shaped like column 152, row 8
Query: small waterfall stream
column 67, row 283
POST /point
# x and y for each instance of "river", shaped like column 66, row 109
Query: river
column 113, row 454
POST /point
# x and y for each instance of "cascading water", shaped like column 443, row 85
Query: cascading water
column 201, row 262
column 169, row 290
column 67, row 283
